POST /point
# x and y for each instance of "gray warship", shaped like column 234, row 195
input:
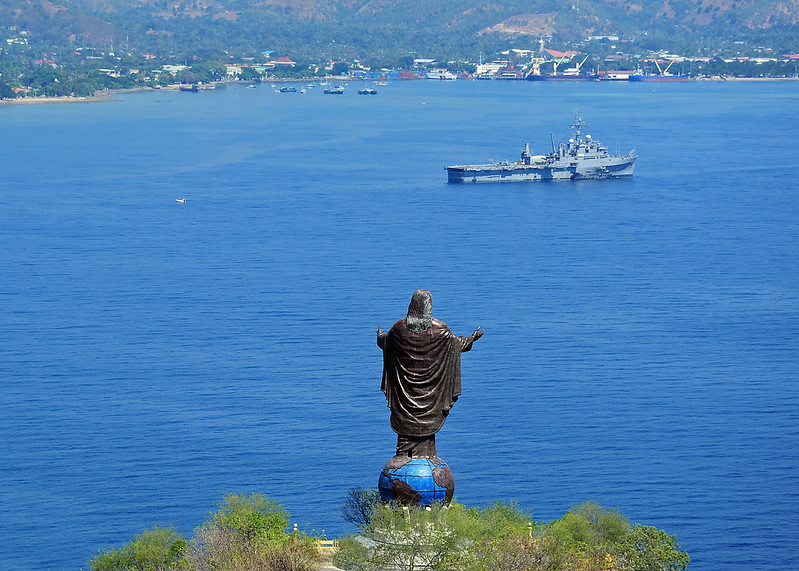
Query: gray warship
column 579, row 159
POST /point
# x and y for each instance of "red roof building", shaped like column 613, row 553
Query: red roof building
column 283, row 60
column 561, row 55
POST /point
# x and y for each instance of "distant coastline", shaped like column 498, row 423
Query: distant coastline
column 65, row 99
column 762, row 78
column 100, row 96
column 108, row 95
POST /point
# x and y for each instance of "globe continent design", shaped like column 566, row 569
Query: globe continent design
column 413, row 481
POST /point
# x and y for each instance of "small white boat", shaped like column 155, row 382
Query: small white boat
column 181, row 200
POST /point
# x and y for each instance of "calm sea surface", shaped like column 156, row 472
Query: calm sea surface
column 642, row 335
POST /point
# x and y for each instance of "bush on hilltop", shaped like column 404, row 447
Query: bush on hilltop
column 249, row 533
column 155, row 548
column 246, row 533
column 502, row 537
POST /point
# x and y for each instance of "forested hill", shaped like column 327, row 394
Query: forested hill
column 361, row 28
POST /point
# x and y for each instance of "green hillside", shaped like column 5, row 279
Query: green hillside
column 370, row 30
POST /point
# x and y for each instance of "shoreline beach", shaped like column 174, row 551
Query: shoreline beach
column 107, row 96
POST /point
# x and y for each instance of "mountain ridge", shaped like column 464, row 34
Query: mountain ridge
column 356, row 27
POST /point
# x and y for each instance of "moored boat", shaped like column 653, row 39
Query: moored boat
column 662, row 75
column 568, row 75
column 442, row 74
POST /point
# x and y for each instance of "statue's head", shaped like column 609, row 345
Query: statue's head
column 420, row 311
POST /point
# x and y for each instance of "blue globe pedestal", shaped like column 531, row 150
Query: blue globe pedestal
column 416, row 481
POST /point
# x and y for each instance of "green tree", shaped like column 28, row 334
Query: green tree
column 208, row 71
column 359, row 506
column 251, row 519
column 340, row 68
column 6, row 92
column 501, row 537
column 249, row 74
column 249, row 532
column 595, row 538
column 646, row 548
column 186, row 76
column 165, row 78
column 590, row 524
column 156, row 549
column 401, row 538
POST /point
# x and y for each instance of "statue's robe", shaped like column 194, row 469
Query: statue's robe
column 421, row 376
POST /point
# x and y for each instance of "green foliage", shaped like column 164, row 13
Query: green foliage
column 250, row 519
column 359, row 506
column 591, row 537
column 208, row 71
column 249, row 74
column 6, row 92
column 249, row 532
column 246, row 533
column 340, row 69
column 649, row 549
column 435, row 537
column 91, row 46
column 156, row 549
column 493, row 538
column 377, row 32
column 500, row 519
column 591, row 525
column 402, row 538
column 215, row 549
column 501, row 537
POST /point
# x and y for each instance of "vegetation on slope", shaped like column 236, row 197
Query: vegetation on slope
column 78, row 47
column 357, row 28
column 249, row 532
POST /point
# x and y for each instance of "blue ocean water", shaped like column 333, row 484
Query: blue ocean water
column 642, row 335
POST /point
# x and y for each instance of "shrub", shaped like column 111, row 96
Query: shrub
column 250, row 519
column 501, row 537
column 649, row 549
column 591, row 537
column 249, row 533
column 434, row 537
column 156, row 549
column 359, row 506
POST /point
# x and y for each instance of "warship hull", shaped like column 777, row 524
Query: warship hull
column 639, row 77
column 515, row 172
column 581, row 158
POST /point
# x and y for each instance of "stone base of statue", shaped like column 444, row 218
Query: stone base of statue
column 416, row 481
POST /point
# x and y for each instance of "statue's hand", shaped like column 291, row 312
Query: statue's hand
column 477, row 334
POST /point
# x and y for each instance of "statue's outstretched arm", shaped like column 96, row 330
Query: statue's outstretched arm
column 466, row 342
column 380, row 337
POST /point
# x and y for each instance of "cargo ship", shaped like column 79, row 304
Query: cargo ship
column 569, row 74
column 662, row 75
column 578, row 159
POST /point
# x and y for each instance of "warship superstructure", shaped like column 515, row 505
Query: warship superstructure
column 579, row 158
